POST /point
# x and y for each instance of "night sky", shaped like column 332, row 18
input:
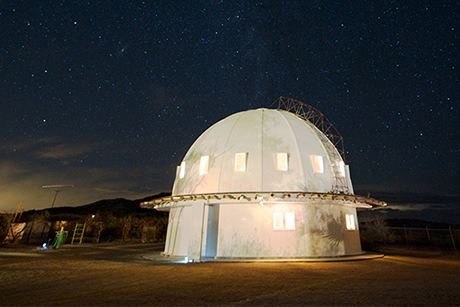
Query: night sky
column 109, row 96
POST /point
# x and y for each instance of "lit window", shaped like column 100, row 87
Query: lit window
column 240, row 161
column 204, row 161
column 278, row 221
column 350, row 219
column 282, row 161
column 177, row 171
column 182, row 170
column 283, row 221
column 317, row 164
column 341, row 168
column 289, row 221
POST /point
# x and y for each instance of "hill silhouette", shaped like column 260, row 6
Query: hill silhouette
column 117, row 207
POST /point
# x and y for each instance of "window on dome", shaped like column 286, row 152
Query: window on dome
column 282, row 161
column 240, row 161
column 341, row 168
column 182, row 170
column 283, row 221
column 350, row 221
column 317, row 164
column 204, row 162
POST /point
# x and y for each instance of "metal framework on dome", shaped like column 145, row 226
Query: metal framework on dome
column 316, row 117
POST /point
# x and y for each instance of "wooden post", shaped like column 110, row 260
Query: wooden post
column 452, row 238
column 45, row 223
column 30, row 231
column 99, row 231
column 405, row 234
column 428, row 234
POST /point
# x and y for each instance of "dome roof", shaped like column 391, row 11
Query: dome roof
column 263, row 150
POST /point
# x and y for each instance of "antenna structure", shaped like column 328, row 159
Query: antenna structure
column 57, row 188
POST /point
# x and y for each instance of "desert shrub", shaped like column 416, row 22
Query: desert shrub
column 136, row 228
column 41, row 216
column 128, row 223
column 113, row 229
column 161, row 224
column 374, row 230
column 146, row 229
column 154, row 229
column 4, row 224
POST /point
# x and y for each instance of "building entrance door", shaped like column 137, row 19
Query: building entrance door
column 212, row 231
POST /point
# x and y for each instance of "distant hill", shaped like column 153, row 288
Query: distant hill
column 433, row 208
column 409, row 209
column 412, row 198
column 117, row 207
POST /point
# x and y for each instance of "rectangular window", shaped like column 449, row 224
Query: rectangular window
column 289, row 221
column 182, row 170
column 278, row 221
column 282, row 161
column 177, row 171
column 350, row 220
column 283, row 221
column 204, row 162
column 341, row 169
column 240, row 161
column 317, row 164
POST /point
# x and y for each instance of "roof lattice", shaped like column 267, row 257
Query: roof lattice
column 316, row 117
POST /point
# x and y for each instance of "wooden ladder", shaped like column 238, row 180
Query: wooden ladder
column 78, row 233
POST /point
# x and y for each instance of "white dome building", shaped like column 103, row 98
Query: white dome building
column 263, row 183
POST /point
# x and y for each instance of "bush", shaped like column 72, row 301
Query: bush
column 113, row 229
column 4, row 225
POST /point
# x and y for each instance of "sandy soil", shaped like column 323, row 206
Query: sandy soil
column 119, row 275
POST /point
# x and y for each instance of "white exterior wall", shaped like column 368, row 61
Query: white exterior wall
column 183, row 237
column 246, row 231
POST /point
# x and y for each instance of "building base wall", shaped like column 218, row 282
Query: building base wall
column 272, row 230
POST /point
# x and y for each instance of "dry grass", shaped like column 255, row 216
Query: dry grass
column 117, row 275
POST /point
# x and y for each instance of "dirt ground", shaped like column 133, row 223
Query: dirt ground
column 111, row 274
